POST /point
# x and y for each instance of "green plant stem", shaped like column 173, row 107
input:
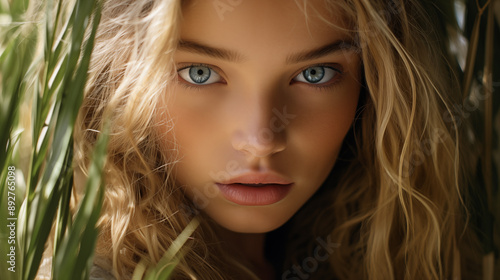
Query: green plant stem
column 488, row 260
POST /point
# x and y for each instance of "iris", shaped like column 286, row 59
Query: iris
column 199, row 74
column 314, row 74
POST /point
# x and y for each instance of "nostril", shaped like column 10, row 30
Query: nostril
column 261, row 131
column 258, row 146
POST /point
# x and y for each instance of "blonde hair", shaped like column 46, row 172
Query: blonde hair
column 131, row 63
column 394, row 203
column 395, row 211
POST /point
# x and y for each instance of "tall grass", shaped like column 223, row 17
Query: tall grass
column 44, row 61
column 45, row 54
column 473, row 33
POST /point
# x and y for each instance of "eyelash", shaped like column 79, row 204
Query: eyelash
column 328, row 85
column 324, row 86
column 191, row 85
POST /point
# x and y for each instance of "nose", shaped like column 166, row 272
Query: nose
column 260, row 131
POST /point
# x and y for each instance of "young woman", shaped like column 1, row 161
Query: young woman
column 311, row 139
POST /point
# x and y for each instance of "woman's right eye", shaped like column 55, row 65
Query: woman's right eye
column 199, row 75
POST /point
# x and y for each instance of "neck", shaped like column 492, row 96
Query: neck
column 249, row 248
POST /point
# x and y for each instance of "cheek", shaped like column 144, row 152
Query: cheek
column 329, row 129
column 197, row 132
column 317, row 135
column 323, row 125
column 192, row 145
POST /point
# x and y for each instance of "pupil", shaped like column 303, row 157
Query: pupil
column 314, row 74
column 199, row 74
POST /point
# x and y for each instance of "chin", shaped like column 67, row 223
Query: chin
column 251, row 227
column 250, row 220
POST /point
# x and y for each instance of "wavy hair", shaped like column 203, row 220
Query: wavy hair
column 131, row 65
column 392, row 202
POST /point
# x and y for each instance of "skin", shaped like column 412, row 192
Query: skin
column 231, row 126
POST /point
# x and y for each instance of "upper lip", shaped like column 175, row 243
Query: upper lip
column 258, row 178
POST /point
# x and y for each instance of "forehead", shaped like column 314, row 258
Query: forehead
column 272, row 26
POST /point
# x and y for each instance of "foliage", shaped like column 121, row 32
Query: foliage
column 44, row 66
column 473, row 31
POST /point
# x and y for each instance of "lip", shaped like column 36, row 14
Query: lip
column 255, row 189
column 258, row 178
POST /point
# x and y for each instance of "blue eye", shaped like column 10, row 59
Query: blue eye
column 199, row 75
column 316, row 75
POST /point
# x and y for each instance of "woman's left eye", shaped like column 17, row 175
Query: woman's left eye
column 317, row 75
column 199, row 75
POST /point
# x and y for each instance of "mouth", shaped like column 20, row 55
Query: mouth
column 256, row 189
column 254, row 185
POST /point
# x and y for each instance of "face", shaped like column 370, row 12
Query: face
column 263, row 100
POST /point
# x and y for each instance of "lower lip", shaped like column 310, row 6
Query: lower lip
column 254, row 195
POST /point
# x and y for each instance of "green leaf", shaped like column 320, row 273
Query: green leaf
column 164, row 268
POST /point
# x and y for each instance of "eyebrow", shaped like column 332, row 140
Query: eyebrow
column 233, row 56
column 219, row 53
column 340, row 45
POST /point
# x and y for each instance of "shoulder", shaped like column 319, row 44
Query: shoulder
column 99, row 273
column 96, row 272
